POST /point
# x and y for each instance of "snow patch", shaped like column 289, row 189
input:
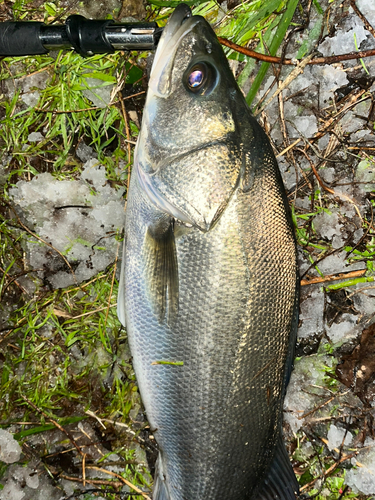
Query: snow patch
column 336, row 437
column 79, row 218
column 10, row 450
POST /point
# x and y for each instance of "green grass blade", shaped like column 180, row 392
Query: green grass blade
column 275, row 44
column 173, row 3
column 46, row 427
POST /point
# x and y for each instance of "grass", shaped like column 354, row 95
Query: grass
column 64, row 351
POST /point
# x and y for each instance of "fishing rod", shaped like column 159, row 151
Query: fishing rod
column 85, row 36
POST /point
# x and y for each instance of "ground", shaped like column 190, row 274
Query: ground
column 71, row 419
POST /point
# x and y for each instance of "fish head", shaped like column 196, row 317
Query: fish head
column 193, row 105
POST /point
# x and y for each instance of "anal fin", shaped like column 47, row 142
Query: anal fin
column 162, row 270
column 160, row 490
column 280, row 482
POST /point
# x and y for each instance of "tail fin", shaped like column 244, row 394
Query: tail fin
column 160, row 491
column 280, row 481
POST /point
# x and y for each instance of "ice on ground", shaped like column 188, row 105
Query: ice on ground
column 332, row 264
column 311, row 314
column 30, row 86
column 26, row 475
column 331, row 78
column 79, row 218
column 362, row 135
column 84, row 152
column 344, row 41
column 288, row 172
column 362, row 478
column 12, row 491
column 327, row 174
column 10, row 450
column 298, row 123
column 346, row 329
column 303, row 203
column 98, row 92
column 336, row 437
column 300, row 398
column 266, row 85
column 35, row 137
column 303, row 262
column 327, row 224
column 366, row 173
column 335, row 263
column 367, row 7
column 364, row 299
column 357, row 235
column 323, row 142
column 351, row 123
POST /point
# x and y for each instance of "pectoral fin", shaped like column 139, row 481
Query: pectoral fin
column 162, row 270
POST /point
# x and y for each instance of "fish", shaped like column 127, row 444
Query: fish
column 209, row 285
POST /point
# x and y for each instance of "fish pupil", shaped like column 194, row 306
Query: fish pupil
column 195, row 78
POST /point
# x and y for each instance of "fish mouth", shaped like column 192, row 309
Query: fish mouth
column 180, row 24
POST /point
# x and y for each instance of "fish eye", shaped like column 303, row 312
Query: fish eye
column 200, row 78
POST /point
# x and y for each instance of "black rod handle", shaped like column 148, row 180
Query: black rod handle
column 86, row 36
column 21, row 39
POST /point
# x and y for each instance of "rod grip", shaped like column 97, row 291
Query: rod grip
column 21, row 38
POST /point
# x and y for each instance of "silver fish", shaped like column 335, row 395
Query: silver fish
column 209, row 283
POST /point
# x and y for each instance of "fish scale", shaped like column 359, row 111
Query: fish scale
column 209, row 280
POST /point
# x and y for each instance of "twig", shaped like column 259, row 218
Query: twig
column 56, row 424
column 353, row 102
column 93, row 312
column 23, row 320
column 113, row 422
column 288, row 148
column 329, row 190
column 112, row 285
column 333, row 277
column 91, row 441
column 362, row 18
column 128, row 483
column 103, row 482
column 285, row 83
column 293, row 62
column 316, row 408
column 328, row 471
column 12, row 279
column 125, row 115
column 85, row 284
column 84, row 469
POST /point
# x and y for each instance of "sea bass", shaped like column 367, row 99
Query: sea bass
column 209, row 283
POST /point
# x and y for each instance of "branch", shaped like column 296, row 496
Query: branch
column 293, row 62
